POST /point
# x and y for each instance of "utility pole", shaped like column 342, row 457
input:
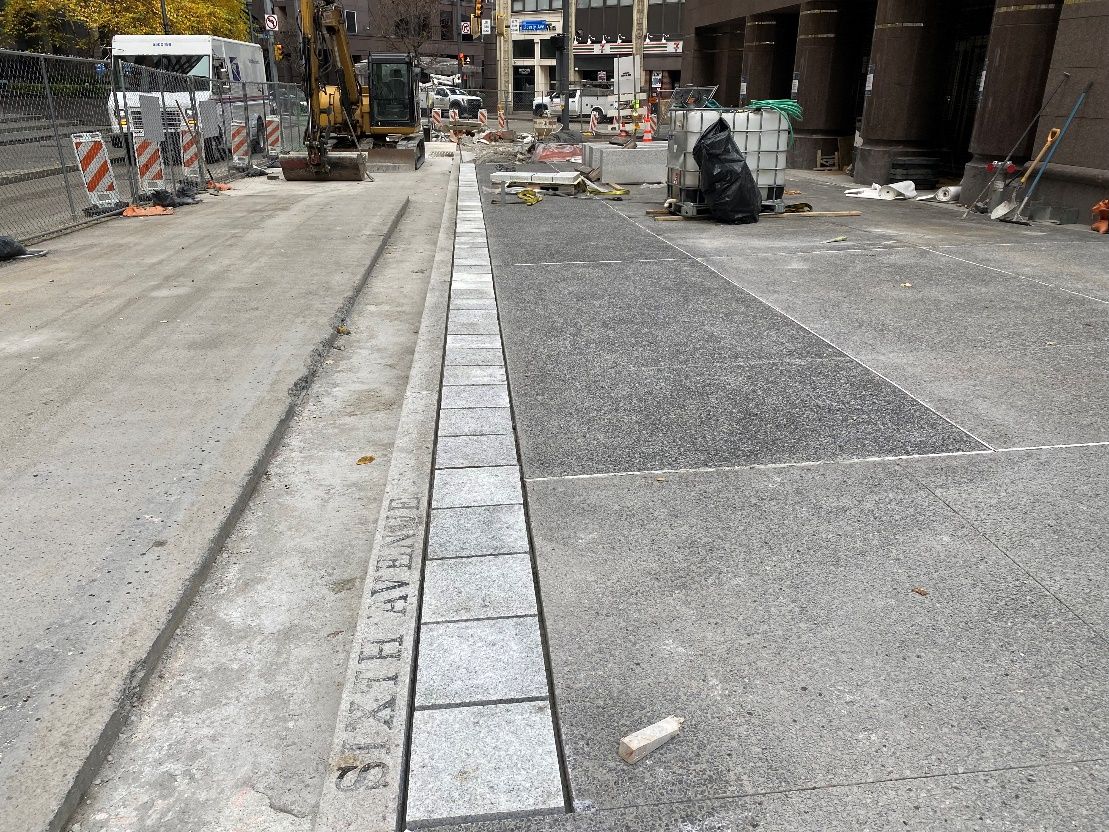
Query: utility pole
column 270, row 37
column 165, row 19
column 503, row 35
column 566, row 62
column 639, row 34
column 458, row 31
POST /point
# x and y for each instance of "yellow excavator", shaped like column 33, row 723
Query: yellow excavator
column 356, row 113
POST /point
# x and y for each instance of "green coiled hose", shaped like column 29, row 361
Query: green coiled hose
column 791, row 111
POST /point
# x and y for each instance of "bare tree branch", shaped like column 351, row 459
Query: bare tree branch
column 405, row 24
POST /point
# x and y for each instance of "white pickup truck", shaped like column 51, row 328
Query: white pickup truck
column 583, row 103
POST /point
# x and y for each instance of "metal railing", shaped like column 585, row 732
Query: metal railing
column 80, row 138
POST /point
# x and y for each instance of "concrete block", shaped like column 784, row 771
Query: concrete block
column 474, row 342
column 467, row 763
column 478, row 530
column 473, row 303
column 493, row 486
column 475, row 421
column 475, row 395
column 633, row 166
column 475, row 451
column 473, row 375
column 469, row 662
column 472, row 292
column 461, row 356
column 473, row 322
column 488, row 586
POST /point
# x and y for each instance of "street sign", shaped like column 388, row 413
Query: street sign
column 465, row 27
column 271, row 23
column 487, row 27
column 602, row 76
column 514, row 25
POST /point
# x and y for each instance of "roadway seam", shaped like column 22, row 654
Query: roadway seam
column 818, row 462
column 984, row 536
column 857, row 783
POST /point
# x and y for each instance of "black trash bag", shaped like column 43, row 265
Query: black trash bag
column 10, row 248
column 730, row 190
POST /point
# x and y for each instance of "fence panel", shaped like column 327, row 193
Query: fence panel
column 51, row 111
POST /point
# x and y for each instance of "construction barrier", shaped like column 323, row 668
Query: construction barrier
column 501, row 124
column 593, row 122
column 437, row 118
column 96, row 170
column 240, row 142
column 483, row 118
column 148, row 160
column 190, row 153
column 454, row 116
column 273, row 135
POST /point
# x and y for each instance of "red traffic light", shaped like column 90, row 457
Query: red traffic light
column 461, row 57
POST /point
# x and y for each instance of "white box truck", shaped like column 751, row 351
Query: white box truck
column 230, row 73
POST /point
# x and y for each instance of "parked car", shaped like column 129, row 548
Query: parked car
column 452, row 98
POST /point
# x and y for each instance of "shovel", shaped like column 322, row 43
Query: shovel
column 1018, row 215
column 1011, row 206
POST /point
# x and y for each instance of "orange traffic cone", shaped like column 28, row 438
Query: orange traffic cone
column 648, row 131
column 1101, row 217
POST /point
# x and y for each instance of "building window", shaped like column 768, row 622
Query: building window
column 352, row 21
column 517, row 5
column 524, row 48
column 556, row 5
column 546, row 48
column 583, row 4
column 529, row 5
column 446, row 25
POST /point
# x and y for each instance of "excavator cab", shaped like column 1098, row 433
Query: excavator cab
column 393, row 87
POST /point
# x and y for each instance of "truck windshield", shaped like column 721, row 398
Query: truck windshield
column 199, row 66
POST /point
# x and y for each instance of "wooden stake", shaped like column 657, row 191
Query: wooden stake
column 634, row 747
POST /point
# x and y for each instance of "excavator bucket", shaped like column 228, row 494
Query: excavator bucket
column 335, row 167
column 408, row 152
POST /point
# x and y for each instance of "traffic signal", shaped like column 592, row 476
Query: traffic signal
column 461, row 58
column 477, row 8
column 278, row 52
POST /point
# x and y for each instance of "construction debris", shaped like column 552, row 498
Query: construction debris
column 896, row 190
column 635, row 747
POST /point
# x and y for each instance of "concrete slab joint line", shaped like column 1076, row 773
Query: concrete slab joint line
column 483, row 728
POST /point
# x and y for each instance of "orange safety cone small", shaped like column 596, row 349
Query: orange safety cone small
column 648, row 131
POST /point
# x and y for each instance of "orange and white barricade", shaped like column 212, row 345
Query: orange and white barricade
column 190, row 153
column 616, row 126
column 148, row 161
column 437, row 119
column 501, row 125
column 96, row 170
column 454, row 116
column 483, row 117
column 273, row 135
column 240, row 142
column 593, row 122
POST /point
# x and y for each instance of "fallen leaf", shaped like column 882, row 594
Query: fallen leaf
column 365, row 460
column 342, row 329
column 334, row 633
column 919, row 590
column 906, row 285
column 791, row 192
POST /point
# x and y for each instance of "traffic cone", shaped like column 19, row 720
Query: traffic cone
column 648, row 131
column 616, row 123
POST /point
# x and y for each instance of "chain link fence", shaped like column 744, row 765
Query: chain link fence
column 80, row 139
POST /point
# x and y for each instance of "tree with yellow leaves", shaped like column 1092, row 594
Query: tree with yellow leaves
column 71, row 26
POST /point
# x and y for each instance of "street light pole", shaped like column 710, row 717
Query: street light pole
column 165, row 19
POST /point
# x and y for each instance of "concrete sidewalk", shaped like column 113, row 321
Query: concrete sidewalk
column 840, row 505
column 150, row 367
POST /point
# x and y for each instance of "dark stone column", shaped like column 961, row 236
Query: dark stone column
column 697, row 57
column 828, row 47
column 1022, row 38
column 760, row 37
column 909, row 67
column 729, row 63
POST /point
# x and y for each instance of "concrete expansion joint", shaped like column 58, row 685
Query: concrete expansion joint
column 482, row 737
